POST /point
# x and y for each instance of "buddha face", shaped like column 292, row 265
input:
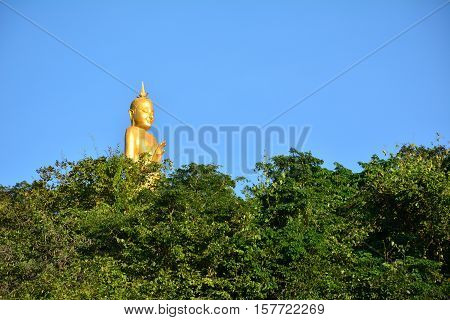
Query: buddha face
column 141, row 115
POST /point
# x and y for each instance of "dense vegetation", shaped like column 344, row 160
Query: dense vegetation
column 96, row 229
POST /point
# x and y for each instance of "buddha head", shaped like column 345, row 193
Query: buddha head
column 141, row 111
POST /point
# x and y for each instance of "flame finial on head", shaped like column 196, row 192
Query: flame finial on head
column 142, row 94
column 142, row 100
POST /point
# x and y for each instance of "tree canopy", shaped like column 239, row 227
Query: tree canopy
column 96, row 229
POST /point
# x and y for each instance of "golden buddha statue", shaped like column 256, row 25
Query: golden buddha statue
column 137, row 139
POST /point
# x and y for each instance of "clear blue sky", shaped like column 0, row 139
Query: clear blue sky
column 229, row 62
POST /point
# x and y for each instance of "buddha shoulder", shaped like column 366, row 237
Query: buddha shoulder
column 134, row 132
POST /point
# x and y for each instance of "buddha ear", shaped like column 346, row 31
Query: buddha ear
column 131, row 113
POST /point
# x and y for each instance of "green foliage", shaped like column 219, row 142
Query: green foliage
column 100, row 229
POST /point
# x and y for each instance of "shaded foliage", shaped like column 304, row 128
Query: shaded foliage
column 96, row 229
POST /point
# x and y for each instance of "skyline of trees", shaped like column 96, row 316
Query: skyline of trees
column 91, row 229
